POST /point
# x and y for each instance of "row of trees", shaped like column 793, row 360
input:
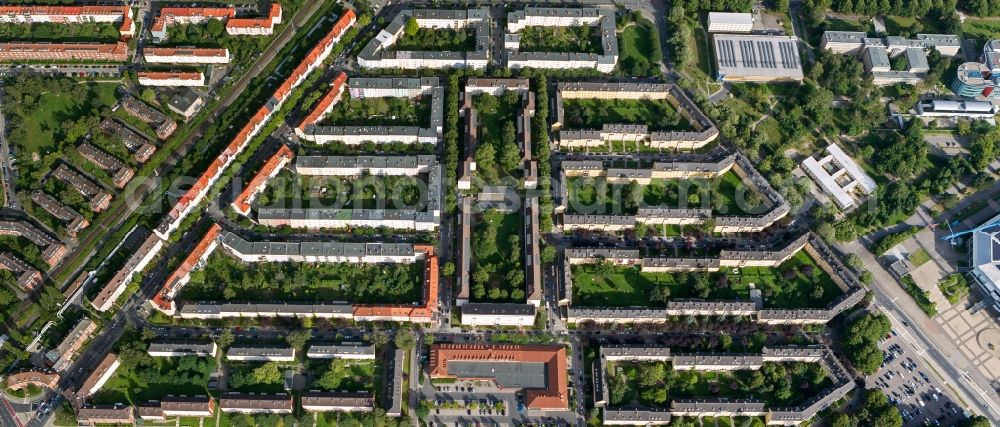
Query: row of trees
column 980, row 7
column 499, row 272
column 875, row 410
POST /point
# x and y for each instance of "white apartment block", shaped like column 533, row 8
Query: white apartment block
column 181, row 349
column 488, row 314
column 171, row 79
column 261, row 354
column 839, row 176
column 601, row 17
column 326, row 252
column 378, row 53
column 185, row 55
column 357, row 165
column 727, row 22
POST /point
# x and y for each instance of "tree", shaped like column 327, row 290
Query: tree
column 486, row 156
column 976, row 421
column 149, row 96
column 549, row 254
column 448, row 269
column 268, row 373
column 298, row 339
column 854, row 261
column 226, row 339
column 405, row 339
column 412, row 27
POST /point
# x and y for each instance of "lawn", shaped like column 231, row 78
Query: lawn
column 727, row 195
column 497, row 116
column 920, row 257
column 797, row 283
column 498, row 265
column 83, row 32
column 656, row 384
column 242, row 377
column 289, row 189
column 438, row 40
column 161, row 377
column 346, row 375
column 981, row 29
column 592, row 113
column 583, row 39
column 639, row 50
column 226, row 278
column 43, row 124
column 381, row 111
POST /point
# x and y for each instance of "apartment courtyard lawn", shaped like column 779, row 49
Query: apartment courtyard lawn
column 381, row 111
column 438, row 40
column 257, row 377
column 498, row 153
column 582, row 39
column 226, row 278
column 44, row 31
column 152, row 378
column 288, row 189
column 639, row 45
column 346, row 375
column 498, row 264
column 725, row 195
column 656, row 384
column 592, row 113
column 797, row 283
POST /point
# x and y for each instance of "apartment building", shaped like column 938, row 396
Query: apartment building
column 250, row 403
column 358, row 165
column 246, row 26
column 98, row 199
column 187, row 103
column 601, row 17
column 185, row 55
column 28, row 278
column 194, row 195
column 756, row 58
column 379, row 52
column 164, row 125
column 326, row 252
column 63, row 51
column 52, row 249
column 354, row 351
column 61, row 356
column 271, row 168
column 181, row 349
column 171, row 78
column 840, row 177
column 94, row 415
column 487, row 314
column 392, row 399
column 137, row 262
column 33, row 14
column 704, row 129
column 260, row 354
column 38, row 378
column 140, row 147
column 177, row 406
column 72, row 219
column 163, row 300
column 99, row 376
column 320, row 401
column 325, row 104
column 119, row 172
column 360, row 88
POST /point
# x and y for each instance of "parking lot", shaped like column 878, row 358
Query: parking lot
column 912, row 387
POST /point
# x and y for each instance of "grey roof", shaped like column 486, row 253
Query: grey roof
column 320, row 249
column 512, row 375
column 206, row 308
column 717, row 405
column 333, row 399
column 393, row 398
column 719, row 359
column 340, row 350
column 365, row 162
column 279, row 401
column 259, row 352
column 498, row 309
column 634, row 352
column 757, row 56
column 182, row 347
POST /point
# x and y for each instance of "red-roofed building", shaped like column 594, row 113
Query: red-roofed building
column 171, row 78
column 32, row 14
column 256, row 185
column 32, row 51
column 325, row 104
column 263, row 26
column 185, row 55
column 163, row 300
column 408, row 313
column 554, row 395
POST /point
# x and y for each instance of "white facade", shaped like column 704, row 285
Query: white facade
column 251, row 354
column 725, row 22
column 105, row 376
column 176, row 79
column 185, row 56
column 845, row 178
column 949, row 108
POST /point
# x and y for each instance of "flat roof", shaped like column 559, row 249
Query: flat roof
column 756, row 56
column 505, row 374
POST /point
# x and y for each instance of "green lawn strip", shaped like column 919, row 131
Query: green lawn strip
column 246, row 377
column 920, row 257
column 656, row 384
column 61, row 32
column 954, row 287
column 981, row 29
column 494, row 114
column 592, row 113
column 498, row 272
column 226, row 278
column 725, row 192
column 287, row 189
column 156, row 378
column 438, row 40
column 638, row 45
column 582, row 39
column 793, row 284
column 920, row 296
column 380, row 111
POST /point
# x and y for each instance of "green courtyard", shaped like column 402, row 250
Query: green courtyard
column 498, row 269
column 725, row 195
column 593, row 113
column 226, row 278
column 381, row 111
column 497, row 154
column 142, row 378
column 346, row 375
column 656, row 384
column 288, row 189
column 577, row 39
column 796, row 283
column 438, row 40
column 77, row 32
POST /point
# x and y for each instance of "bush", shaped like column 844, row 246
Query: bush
column 891, row 240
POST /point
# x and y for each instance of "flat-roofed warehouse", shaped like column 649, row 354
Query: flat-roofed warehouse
column 540, row 370
column 757, row 58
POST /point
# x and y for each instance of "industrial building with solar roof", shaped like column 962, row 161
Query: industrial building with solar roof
column 756, row 58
